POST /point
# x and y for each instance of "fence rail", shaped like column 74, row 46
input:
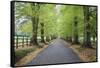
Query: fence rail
column 20, row 40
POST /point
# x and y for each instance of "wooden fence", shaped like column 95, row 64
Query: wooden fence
column 21, row 41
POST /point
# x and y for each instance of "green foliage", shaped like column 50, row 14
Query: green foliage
column 58, row 20
column 26, row 28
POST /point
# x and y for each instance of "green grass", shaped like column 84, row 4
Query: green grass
column 21, row 53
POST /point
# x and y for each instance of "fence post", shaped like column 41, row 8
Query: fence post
column 27, row 41
column 23, row 41
column 16, row 41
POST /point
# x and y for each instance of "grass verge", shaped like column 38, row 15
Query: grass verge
column 30, row 56
column 21, row 53
column 86, row 54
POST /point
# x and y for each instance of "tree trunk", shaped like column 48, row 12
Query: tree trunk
column 75, row 40
column 42, row 33
column 47, row 38
column 52, row 37
column 35, row 21
column 93, row 39
column 87, row 37
column 34, row 34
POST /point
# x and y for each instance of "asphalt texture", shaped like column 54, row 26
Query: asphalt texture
column 58, row 52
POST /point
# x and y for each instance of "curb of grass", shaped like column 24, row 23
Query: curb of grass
column 30, row 56
column 78, row 54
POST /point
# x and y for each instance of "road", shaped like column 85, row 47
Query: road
column 57, row 52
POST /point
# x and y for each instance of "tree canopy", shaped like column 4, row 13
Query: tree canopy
column 55, row 20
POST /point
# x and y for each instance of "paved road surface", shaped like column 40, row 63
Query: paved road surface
column 57, row 52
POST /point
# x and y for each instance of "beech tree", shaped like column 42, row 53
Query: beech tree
column 87, row 36
column 74, row 23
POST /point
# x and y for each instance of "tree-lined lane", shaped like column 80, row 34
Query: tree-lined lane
column 56, row 53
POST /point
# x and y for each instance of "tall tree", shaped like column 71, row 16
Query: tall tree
column 75, row 31
column 42, row 32
column 28, row 12
column 87, row 37
column 35, row 21
column 93, row 20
